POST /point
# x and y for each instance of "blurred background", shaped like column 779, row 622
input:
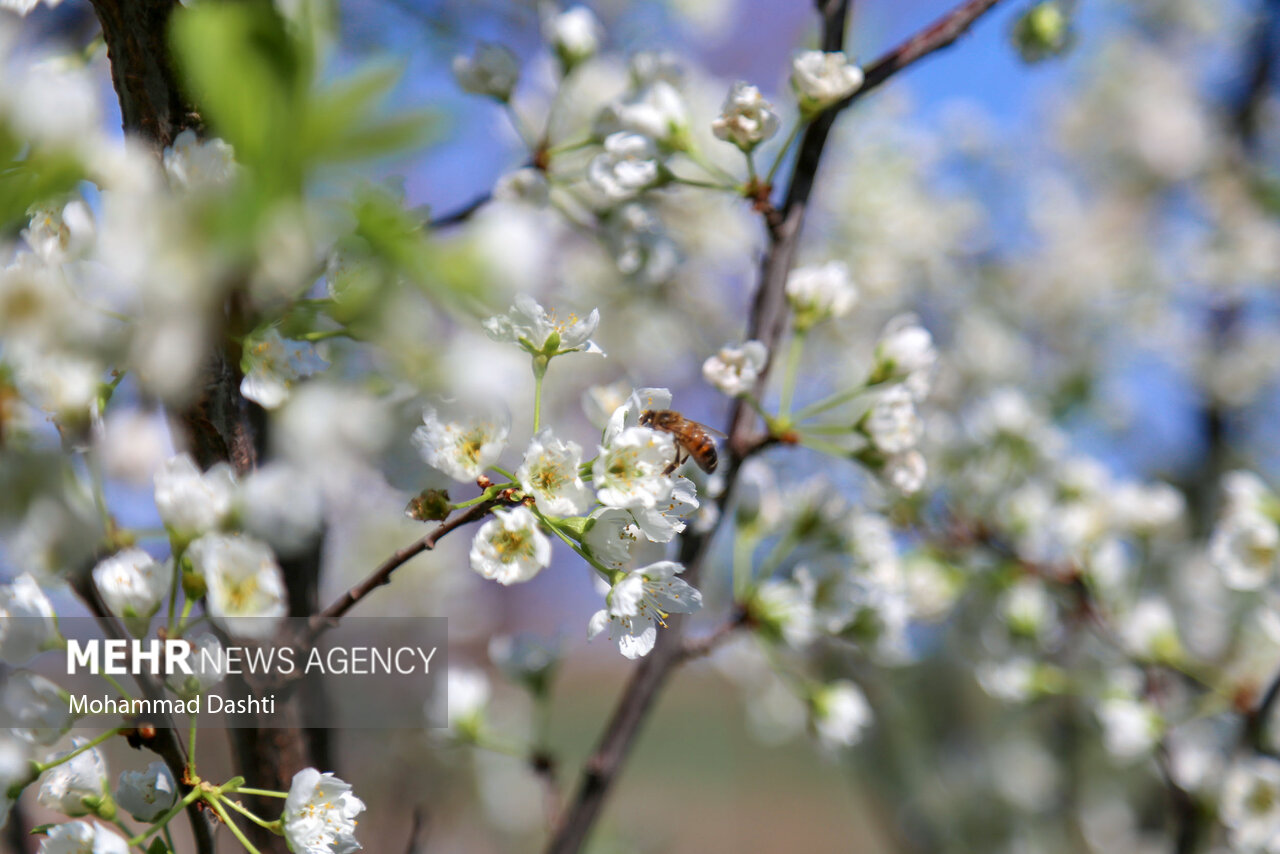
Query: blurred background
column 1079, row 227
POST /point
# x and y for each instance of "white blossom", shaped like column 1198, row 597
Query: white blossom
column 820, row 292
column 320, row 814
column 246, row 593
column 207, row 667
column 640, row 602
column 146, row 795
column 36, row 707
column 275, row 366
column 905, row 351
column 656, row 111
column 550, row 474
column 469, row 691
column 282, row 505
column 599, row 402
column 574, row 34
column 892, row 424
column 662, row 522
column 463, row 448
column 530, row 326
column 1245, row 549
column 627, row 414
column 24, row 7
column 610, row 536
column 66, row 786
column 27, row 622
column 59, row 232
column 492, row 70
column 628, row 165
column 820, row 79
column 81, row 837
column 734, row 370
column 190, row 502
column 524, row 185
column 1149, row 630
column 650, row 66
column 192, row 163
column 132, row 585
column 642, row 248
column 510, row 548
column 905, row 472
column 1250, row 806
column 840, row 714
column 1130, row 728
column 785, row 609
column 630, row 471
column 746, row 119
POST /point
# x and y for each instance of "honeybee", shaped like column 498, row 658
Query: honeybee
column 693, row 440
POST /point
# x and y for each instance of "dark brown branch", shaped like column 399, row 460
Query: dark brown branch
column 136, row 33
column 767, row 324
column 461, row 215
column 382, row 574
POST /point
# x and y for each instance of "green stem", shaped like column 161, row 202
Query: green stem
column 751, row 165
column 538, row 375
column 168, row 838
column 486, row 743
column 568, row 147
column 324, row 334
column 743, row 549
column 710, row 168
column 708, row 185
column 789, row 380
column 829, row 448
column 575, row 545
column 88, row 745
column 261, row 793
column 781, row 549
column 216, row 803
column 111, row 680
column 173, row 590
column 782, row 152
column 261, row 822
column 838, row 399
column 826, row 430
column 484, row 496
column 191, row 748
column 508, row 475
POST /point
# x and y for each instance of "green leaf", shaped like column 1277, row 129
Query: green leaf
column 158, row 847
column 249, row 78
column 342, row 121
column 30, row 175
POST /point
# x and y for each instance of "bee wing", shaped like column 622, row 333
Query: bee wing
column 713, row 431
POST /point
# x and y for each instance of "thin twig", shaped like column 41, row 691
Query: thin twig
column 418, row 830
column 382, row 574
column 767, row 323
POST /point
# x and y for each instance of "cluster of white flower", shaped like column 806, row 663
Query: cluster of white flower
column 636, row 495
column 319, row 815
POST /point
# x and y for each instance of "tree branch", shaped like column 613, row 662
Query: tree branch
column 461, row 215
column 767, row 324
column 382, row 574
